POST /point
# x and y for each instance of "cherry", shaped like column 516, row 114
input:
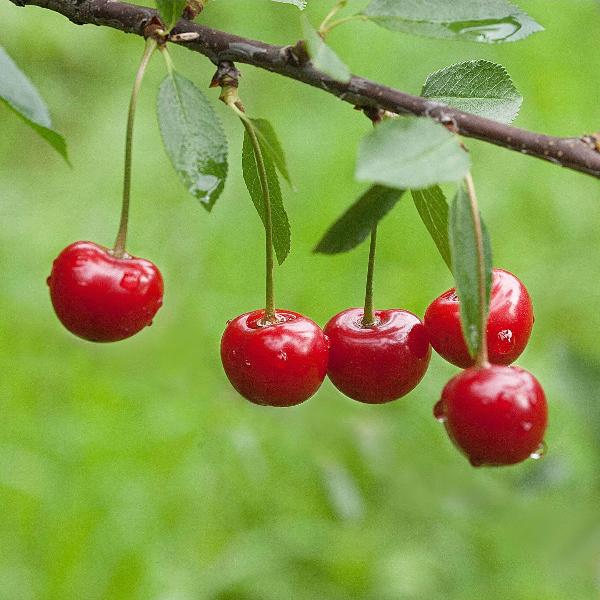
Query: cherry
column 496, row 415
column 100, row 297
column 508, row 330
column 378, row 363
column 275, row 364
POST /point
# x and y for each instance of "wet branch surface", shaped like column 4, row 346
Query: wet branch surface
column 577, row 153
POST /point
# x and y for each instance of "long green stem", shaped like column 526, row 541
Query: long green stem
column 121, row 241
column 482, row 356
column 368, row 319
column 270, row 316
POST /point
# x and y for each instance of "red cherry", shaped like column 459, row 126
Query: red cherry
column 102, row 298
column 508, row 330
column 380, row 363
column 495, row 415
column 279, row 364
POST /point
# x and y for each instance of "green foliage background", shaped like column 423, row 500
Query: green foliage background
column 134, row 471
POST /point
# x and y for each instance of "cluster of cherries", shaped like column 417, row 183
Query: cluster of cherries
column 495, row 414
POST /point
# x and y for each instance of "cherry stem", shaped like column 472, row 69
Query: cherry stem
column 332, row 25
column 270, row 316
column 120, row 243
column 368, row 319
column 323, row 27
column 481, row 359
column 168, row 60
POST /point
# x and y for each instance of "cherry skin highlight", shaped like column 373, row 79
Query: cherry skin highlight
column 508, row 330
column 102, row 298
column 495, row 415
column 380, row 363
column 279, row 364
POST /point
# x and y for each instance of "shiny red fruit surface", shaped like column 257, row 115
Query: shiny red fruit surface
column 380, row 363
column 508, row 330
column 282, row 364
column 101, row 298
column 495, row 415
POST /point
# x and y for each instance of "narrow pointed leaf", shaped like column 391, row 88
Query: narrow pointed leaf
column 281, row 225
column 463, row 247
column 271, row 146
column 480, row 87
column 484, row 21
column 433, row 209
column 355, row 225
column 21, row 96
column 170, row 11
column 322, row 56
column 193, row 138
column 411, row 152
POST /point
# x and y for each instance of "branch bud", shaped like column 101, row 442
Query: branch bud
column 186, row 36
column 193, row 9
column 227, row 78
column 226, row 75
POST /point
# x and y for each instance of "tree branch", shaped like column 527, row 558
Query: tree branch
column 580, row 154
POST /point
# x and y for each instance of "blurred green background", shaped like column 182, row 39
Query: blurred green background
column 134, row 471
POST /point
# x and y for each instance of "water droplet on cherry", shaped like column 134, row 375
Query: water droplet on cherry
column 505, row 341
column 439, row 411
column 539, row 452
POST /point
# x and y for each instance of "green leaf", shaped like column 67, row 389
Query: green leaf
column 20, row 95
column 193, row 137
column 480, row 87
column 433, row 209
column 463, row 246
column 281, row 225
column 170, row 11
column 322, row 56
column 354, row 226
column 486, row 21
column 411, row 153
column 271, row 146
column 301, row 4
